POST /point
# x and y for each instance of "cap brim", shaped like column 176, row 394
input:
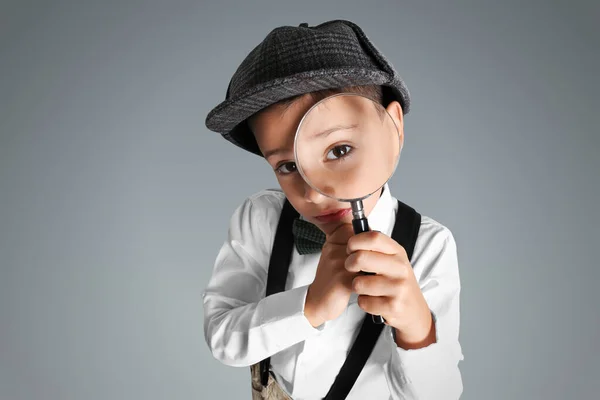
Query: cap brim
column 229, row 117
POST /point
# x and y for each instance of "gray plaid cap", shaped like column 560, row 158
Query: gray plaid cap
column 293, row 61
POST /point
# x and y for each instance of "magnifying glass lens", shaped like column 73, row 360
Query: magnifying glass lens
column 347, row 147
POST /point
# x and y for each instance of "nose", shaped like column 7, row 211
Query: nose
column 311, row 195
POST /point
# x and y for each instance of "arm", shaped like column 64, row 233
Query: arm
column 431, row 372
column 241, row 327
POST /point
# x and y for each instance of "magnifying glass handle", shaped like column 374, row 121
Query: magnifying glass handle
column 360, row 225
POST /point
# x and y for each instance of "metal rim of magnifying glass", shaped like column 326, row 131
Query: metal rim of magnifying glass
column 299, row 167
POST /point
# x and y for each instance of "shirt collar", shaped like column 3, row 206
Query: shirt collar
column 381, row 218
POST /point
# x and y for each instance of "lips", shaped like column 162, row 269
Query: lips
column 334, row 215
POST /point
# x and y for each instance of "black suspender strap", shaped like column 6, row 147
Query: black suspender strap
column 405, row 232
column 406, row 228
column 279, row 264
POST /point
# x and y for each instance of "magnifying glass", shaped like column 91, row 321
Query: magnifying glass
column 347, row 147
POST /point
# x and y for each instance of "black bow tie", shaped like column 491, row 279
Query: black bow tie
column 307, row 237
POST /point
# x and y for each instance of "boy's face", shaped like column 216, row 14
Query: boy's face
column 275, row 129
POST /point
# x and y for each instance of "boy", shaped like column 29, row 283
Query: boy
column 307, row 330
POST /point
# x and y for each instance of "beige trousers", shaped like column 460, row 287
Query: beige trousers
column 270, row 392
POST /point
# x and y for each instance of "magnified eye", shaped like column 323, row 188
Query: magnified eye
column 286, row 168
column 339, row 151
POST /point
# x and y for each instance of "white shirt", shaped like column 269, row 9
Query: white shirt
column 242, row 327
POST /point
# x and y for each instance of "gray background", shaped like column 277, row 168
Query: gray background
column 114, row 197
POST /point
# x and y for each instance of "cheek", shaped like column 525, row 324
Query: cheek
column 291, row 185
column 293, row 190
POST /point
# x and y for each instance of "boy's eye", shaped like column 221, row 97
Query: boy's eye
column 338, row 152
column 286, row 168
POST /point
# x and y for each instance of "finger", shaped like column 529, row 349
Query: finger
column 375, row 285
column 378, row 263
column 374, row 241
column 347, row 281
column 375, row 305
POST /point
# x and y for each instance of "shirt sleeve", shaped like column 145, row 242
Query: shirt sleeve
column 241, row 326
column 432, row 372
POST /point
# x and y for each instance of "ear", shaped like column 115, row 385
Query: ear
column 394, row 109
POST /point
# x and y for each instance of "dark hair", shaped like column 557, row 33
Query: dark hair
column 374, row 92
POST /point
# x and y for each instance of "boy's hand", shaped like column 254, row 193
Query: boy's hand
column 328, row 295
column 393, row 292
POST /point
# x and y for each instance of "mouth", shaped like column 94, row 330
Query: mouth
column 333, row 215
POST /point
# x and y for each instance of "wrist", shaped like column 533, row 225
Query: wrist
column 422, row 335
column 310, row 312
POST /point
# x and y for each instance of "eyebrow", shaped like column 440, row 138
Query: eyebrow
column 273, row 152
column 333, row 129
column 325, row 132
